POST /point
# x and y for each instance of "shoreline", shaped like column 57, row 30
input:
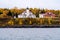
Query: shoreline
column 31, row 26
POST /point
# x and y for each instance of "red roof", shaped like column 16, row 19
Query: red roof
column 50, row 14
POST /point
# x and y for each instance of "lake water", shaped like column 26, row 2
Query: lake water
column 29, row 33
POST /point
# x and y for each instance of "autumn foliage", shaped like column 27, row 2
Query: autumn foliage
column 9, row 13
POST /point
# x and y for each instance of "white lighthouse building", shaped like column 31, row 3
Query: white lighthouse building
column 26, row 14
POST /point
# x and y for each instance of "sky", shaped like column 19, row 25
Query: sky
column 49, row 4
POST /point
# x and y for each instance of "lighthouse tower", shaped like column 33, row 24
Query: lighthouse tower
column 27, row 14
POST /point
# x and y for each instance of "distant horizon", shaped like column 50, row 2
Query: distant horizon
column 46, row 4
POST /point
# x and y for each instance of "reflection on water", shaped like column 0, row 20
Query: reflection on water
column 29, row 33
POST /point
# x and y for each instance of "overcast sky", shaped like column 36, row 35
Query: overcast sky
column 50, row 4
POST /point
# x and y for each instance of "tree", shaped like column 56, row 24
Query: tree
column 9, row 14
column 1, row 11
column 43, row 11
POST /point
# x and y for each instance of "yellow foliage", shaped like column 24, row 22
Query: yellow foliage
column 20, row 22
column 49, row 20
column 30, row 22
column 11, row 22
column 5, row 12
column 3, row 15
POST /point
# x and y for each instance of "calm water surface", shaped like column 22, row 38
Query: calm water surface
column 29, row 33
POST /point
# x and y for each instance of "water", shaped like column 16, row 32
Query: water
column 29, row 33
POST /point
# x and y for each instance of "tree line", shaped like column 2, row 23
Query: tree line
column 10, row 13
column 5, row 12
